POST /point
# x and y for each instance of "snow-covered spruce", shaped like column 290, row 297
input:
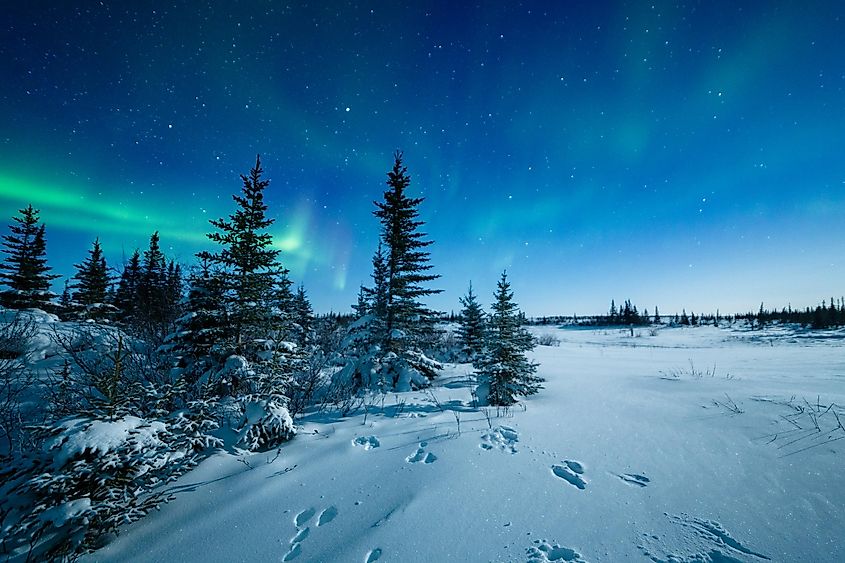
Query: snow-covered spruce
column 385, row 345
column 504, row 372
column 24, row 271
column 90, row 476
column 471, row 326
column 266, row 422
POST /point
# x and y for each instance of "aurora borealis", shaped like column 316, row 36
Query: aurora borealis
column 680, row 155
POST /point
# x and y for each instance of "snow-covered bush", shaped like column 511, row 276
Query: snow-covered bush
column 448, row 347
column 548, row 340
column 266, row 422
column 16, row 379
column 89, row 477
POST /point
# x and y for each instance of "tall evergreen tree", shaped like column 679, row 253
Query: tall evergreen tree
column 503, row 371
column 256, row 294
column 25, row 271
column 408, row 322
column 471, row 326
column 92, row 278
column 256, row 284
column 657, row 320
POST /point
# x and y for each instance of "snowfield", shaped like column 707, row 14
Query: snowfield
column 636, row 450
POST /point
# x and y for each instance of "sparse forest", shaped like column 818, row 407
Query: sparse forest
column 180, row 360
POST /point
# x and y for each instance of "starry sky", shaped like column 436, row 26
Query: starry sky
column 675, row 154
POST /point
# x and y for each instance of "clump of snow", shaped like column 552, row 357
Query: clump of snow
column 83, row 436
column 266, row 423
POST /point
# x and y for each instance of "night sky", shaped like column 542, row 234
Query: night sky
column 681, row 155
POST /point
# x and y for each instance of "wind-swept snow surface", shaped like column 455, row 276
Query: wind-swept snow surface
column 686, row 445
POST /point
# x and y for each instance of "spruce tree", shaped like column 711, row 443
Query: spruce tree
column 407, row 322
column 126, row 297
column 656, row 315
column 257, row 295
column 471, row 326
column 193, row 344
column 25, row 271
column 377, row 296
column 503, row 371
column 92, row 278
column 154, row 314
column 303, row 318
column 362, row 306
column 256, row 284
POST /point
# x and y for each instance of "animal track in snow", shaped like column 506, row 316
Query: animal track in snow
column 303, row 533
column 571, row 472
column 697, row 540
column 421, row 455
column 502, row 437
column 634, row 479
column 327, row 516
column 304, row 516
column 373, row 555
column 544, row 551
column 367, row 442
column 294, row 552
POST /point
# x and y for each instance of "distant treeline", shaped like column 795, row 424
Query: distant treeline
column 827, row 314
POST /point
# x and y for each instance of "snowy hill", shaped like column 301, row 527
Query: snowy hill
column 637, row 449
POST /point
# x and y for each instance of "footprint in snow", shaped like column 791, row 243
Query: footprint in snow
column 502, row 437
column 301, row 535
column 421, row 455
column 373, row 555
column 327, row 516
column 635, row 479
column 571, row 472
column 544, row 551
column 367, row 442
column 294, row 552
column 304, row 516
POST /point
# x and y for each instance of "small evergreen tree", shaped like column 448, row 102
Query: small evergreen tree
column 504, row 373
column 25, row 271
column 361, row 307
column 158, row 293
column 127, row 294
column 194, row 344
column 471, row 326
column 684, row 318
column 92, row 281
column 303, row 318
column 657, row 320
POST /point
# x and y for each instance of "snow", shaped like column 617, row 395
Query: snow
column 632, row 452
column 100, row 437
column 60, row 515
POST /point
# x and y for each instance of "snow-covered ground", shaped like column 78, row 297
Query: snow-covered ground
column 636, row 450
